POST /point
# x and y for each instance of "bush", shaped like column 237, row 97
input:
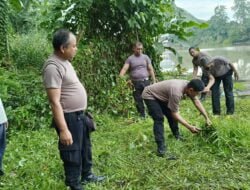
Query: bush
column 98, row 64
column 29, row 50
column 24, row 99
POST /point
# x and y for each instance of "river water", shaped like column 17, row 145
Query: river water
column 238, row 55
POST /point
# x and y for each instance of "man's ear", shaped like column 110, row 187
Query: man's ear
column 62, row 49
column 190, row 90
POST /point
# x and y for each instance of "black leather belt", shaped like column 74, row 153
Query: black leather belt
column 75, row 113
column 79, row 112
column 141, row 79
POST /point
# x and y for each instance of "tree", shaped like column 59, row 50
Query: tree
column 241, row 11
column 25, row 15
column 221, row 31
column 3, row 30
column 219, row 24
column 242, row 15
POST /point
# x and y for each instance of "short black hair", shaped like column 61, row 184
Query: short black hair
column 195, row 48
column 137, row 43
column 196, row 84
column 191, row 48
column 60, row 38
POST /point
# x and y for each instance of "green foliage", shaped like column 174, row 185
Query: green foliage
column 224, row 32
column 25, row 15
column 3, row 31
column 65, row 14
column 29, row 50
column 32, row 159
column 98, row 66
column 120, row 100
column 24, row 99
column 242, row 11
column 125, row 152
column 105, row 37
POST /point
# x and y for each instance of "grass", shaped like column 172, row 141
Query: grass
column 124, row 151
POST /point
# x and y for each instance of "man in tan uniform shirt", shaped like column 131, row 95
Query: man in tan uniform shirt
column 163, row 98
column 68, row 100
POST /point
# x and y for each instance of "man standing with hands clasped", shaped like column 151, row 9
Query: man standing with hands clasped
column 140, row 69
column 68, row 101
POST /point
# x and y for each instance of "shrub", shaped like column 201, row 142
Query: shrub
column 29, row 50
column 98, row 64
column 24, row 99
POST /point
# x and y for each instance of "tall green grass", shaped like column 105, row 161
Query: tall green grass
column 124, row 151
column 29, row 50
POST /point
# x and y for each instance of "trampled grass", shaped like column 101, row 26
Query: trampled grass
column 124, row 151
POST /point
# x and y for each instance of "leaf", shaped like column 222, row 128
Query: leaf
column 16, row 4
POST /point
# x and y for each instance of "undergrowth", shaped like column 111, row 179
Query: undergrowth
column 124, row 150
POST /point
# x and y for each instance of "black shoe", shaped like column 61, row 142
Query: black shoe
column 168, row 156
column 179, row 138
column 76, row 187
column 92, row 179
column 161, row 149
column 1, row 172
column 160, row 153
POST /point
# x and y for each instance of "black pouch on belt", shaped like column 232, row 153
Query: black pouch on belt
column 89, row 120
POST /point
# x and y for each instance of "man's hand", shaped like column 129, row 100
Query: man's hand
column 208, row 122
column 66, row 137
column 6, row 124
column 206, row 89
column 194, row 129
column 236, row 75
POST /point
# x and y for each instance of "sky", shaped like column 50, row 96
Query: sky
column 204, row 9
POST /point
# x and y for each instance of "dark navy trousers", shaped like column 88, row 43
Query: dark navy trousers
column 77, row 158
column 138, row 89
column 157, row 110
column 227, row 81
column 2, row 143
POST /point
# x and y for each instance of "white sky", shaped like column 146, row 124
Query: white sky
column 204, row 9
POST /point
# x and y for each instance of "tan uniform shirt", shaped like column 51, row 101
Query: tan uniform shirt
column 169, row 91
column 60, row 74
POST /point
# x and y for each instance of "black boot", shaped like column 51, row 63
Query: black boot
column 92, row 178
column 76, row 187
column 179, row 137
column 161, row 149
